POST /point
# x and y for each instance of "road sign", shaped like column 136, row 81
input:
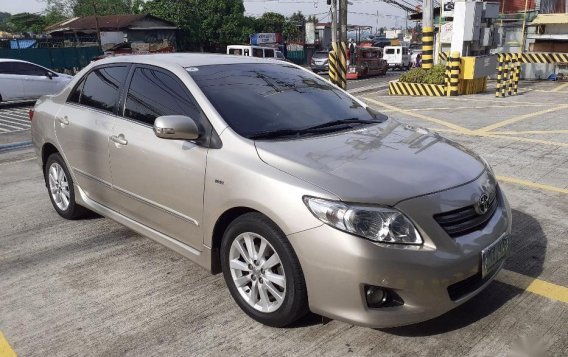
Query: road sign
column 448, row 8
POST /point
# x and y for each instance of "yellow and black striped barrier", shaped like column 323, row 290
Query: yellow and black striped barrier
column 508, row 74
column 454, row 68
column 427, row 47
column 444, row 56
column 417, row 89
column 342, row 65
column 538, row 57
column 332, row 60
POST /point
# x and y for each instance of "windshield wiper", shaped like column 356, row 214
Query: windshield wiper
column 276, row 134
column 310, row 130
column 342, row 122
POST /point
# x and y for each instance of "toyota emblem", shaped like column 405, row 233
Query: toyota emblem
column 482, row 205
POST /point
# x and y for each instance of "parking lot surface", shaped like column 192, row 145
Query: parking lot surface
column 93, row 287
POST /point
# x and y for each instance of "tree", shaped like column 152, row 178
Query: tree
column 102, row 7
column 271, row 22
column 312, row 18
column 25, row 22
column 294, row 26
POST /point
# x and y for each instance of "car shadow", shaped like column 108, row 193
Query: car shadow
column 528, row 250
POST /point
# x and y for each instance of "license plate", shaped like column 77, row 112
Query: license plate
column 494, row 254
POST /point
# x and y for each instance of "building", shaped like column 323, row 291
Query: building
column 116, row 29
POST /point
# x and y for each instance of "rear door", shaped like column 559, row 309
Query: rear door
column 11, row 84
column 83, row 126
column 159, row 182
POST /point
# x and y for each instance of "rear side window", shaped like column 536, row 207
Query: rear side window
column 257, row 52
column 235, row 51
column 6, row 68
column 268, row 53
column 101, row 88
column 389, row 51
column 154, row 93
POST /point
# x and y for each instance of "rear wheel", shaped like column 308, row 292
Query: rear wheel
column 262, row 271
column 60, row 187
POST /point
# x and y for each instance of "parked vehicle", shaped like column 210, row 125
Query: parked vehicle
column 253, row 51
column 22, row 80
column 288, row 185
column 320, row 62
column 398, row 57
column 367, row 61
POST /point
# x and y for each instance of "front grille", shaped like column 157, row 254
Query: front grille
column 466, row 220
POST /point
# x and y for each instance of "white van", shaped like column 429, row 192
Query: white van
column 254, row 51
column 397, row 57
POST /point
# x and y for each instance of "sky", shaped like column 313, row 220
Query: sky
column 362, row 12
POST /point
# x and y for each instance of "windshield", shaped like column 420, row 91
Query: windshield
column 257, row 98
column 320, row 55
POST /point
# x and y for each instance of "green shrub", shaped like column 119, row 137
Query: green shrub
column 428, row 76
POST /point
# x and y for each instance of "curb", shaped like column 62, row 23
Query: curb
column 15, row 146
column 367, row 89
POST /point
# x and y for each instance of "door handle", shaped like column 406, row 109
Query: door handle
column 63, row 121
column 119, row 139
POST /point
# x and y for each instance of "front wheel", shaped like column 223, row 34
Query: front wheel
column 262, row 271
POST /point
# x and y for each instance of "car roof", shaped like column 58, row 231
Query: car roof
column 13, row 60
column 184, row 59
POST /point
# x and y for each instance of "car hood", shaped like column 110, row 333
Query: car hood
column 383, row 164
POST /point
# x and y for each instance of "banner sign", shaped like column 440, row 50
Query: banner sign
column 265, row 38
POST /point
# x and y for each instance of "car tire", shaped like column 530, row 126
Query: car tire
column 60, row 188
column 275, row 273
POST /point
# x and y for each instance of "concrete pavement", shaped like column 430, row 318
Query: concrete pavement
column 93, row 287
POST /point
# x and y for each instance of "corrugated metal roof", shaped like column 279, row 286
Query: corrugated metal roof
column 104, row 22
column 544, row 19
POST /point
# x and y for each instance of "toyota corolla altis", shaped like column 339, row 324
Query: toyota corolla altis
column 300, row 194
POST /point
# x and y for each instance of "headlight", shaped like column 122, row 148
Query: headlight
column 379, row 224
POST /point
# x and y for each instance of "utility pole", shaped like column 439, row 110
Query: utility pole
column 97, row 25
column 342, row 48
column 427, row 34
column 334, row 21
column 332, row 58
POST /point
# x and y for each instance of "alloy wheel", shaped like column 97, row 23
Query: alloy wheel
column 257, row 272
column 59, row 186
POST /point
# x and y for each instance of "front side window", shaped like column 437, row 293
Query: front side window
column 257, row 52
column 101, row 88
column 155, row 93
column 268, row 53
column 259, row 98
column 26, row 69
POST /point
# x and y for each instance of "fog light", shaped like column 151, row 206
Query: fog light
column 376, row 296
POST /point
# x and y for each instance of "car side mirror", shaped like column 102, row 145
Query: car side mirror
column 178, row 127
column 49, row 75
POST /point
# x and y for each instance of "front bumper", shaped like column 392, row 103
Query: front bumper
column 320, row 67
column 337, row 266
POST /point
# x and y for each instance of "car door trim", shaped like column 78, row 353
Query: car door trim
column 89, row 176
column 138, row 198
column 137, row 226
column 156, row 205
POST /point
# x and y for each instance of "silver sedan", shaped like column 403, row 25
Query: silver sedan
column 301, row 195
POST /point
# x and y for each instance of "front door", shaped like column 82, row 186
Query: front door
column 35, row 80
column 158, row 182
column 83, row 127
